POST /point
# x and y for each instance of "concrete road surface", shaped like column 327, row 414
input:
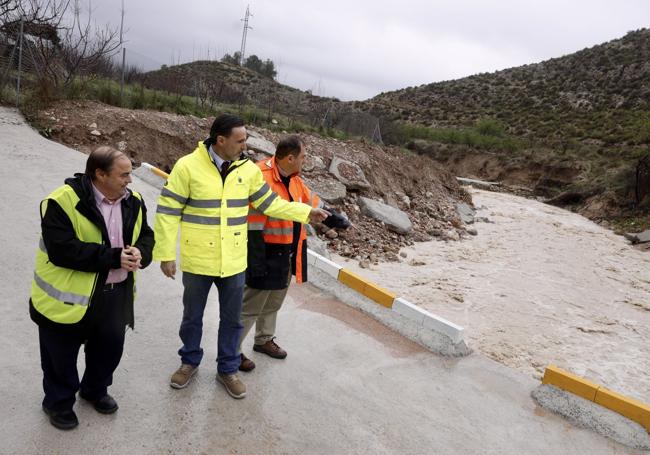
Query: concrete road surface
column 348, row 386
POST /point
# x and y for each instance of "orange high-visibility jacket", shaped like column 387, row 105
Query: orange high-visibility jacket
column 280, row 232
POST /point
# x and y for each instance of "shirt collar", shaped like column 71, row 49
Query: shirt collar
column 99, row 196
column 216, row 159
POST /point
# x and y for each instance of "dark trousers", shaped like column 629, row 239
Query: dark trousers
column 104, row 342
column 195, row 297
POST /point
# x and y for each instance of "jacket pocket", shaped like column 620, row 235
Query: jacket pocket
column 199, row 247
column 239, row 242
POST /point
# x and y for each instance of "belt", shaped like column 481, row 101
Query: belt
column 111, row 286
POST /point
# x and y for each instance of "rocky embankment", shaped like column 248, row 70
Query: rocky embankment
column 392, row 196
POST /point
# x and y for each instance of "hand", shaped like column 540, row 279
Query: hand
column 318, row 215
column 168, row 268
column 128, row 261
column 135, row 252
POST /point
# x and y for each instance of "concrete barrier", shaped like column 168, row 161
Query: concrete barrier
column 426, row 329
column 590, row 405
column 626, row 406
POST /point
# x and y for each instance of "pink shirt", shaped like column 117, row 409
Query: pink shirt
column 112, row 213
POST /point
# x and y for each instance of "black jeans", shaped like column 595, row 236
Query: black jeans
column 104, row 343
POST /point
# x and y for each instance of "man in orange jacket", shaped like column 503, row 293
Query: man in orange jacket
column 277, row 249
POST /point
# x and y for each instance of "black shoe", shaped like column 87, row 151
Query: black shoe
column 63, row 420
column 105, row 405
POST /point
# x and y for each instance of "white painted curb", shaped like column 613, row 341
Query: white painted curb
column 146, row 172
column 426, row 319
column 324, row 264
column 422, row 320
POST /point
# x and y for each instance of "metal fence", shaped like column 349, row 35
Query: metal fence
column 642, row 187
column 17, row 62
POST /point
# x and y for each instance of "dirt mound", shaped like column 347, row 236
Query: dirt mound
column 407, row 181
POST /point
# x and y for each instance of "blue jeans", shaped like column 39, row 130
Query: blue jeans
column 195, row 296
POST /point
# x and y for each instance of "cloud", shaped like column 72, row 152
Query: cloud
column 356, row 49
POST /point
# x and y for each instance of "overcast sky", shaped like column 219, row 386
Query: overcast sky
column 356, row 49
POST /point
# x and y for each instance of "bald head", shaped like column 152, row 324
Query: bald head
column 102, row 158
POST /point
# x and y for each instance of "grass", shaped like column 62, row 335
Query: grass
column 37, row 95
column 631, row 224
column 486, row 135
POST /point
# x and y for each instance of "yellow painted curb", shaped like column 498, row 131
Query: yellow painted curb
column 370, row 290
column 379, row 295
column 570, row 382
column 157, row 171
column 628, row 407
column 352, row 280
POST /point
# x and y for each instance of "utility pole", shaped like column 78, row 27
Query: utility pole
column 243, row 36
column 20, row 59
column 123, row 55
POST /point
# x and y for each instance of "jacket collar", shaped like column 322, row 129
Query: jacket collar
column 83, row 187
column 272, row 165
column 202, row 150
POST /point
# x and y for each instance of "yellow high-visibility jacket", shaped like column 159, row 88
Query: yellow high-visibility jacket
column 213, row 213
column 63, row 294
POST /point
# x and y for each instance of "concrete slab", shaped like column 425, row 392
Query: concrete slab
column 350, row 385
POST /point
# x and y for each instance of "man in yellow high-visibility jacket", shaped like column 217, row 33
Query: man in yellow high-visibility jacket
column 207, row 196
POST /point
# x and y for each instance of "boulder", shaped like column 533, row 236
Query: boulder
column 331, row 234
column 319, row 246
column 313, row 162
column 403, row 198
column 395, row 219
column 328, row 189
column 641, row 237
column 465, row 212
column 258, row 143
column 349, row 173
column 451, row 234
column 253, row 133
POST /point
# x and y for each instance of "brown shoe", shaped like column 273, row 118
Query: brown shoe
column 181, row 378
column 271, row 349
column 246, row 364
column 233, row 385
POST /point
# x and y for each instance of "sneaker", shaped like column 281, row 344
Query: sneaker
column 270, row 348
column 246, row 364
column 181, row 378
column 233, row 385
column 63, row 420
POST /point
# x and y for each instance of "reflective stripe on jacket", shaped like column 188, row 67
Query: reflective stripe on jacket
column 62, row 294
column 276, row 231
column 212, row 213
